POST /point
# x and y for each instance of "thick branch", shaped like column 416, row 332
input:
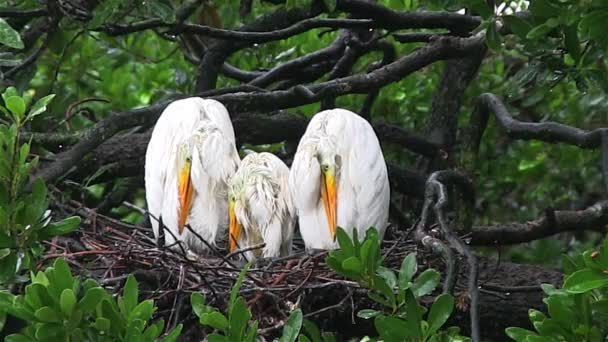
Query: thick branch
column 592, row 218
column 550, row 132
column 13, row 13
column 390, row 19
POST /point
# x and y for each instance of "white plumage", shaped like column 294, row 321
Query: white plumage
column 339, row 174
column 261, row 209
column 190, row 158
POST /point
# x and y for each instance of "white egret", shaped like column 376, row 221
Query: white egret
column 260, row 207
column 190, row 158
column 339, row 178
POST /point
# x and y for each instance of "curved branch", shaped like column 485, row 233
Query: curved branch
column 458, row 23
column 593, row 218
column 550, row 132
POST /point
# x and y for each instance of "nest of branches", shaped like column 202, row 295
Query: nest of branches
column 108, row 250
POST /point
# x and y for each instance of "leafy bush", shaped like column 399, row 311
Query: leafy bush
column 579, row 310
column 25, row 220
column 58, row 306
column 401, row 318
column 234, row 327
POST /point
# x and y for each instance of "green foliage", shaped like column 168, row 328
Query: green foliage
column 9, row 37
column 579, row 310
column 401, row 317
column 236, row 326
column 59, row 306
column 25, row 220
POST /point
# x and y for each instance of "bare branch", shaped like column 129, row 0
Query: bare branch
column 14, row 13
column 550, row 132
column 593, row 218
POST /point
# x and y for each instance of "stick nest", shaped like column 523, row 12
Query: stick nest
column 108, row 250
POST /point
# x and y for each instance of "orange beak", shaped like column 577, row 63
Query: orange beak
column 186, row 192
column 329, row 196
column 235, row 227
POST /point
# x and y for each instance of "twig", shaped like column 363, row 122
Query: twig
column 244, row 250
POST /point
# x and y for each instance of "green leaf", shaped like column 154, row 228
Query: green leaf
column 558, row 309
column 440, row 312
column 9, row 37
column 239, row 317
column 493, row 38
column 4, row 252
column 519, row 334
column 368, row 313
column 585, row 280
column 16, row 338
column 102, row 324
column 389, row 276
column 16, row 105
column 391, row 329
column 6, row 241
column 414, row 314
column 252, row 333
column 409, row 266
column 352, row 264
column 197, row 301
column 572, row 42
column 130, row 294
column 10, row 91
column 479, row 6
column 217, row 338
column 143, row 311
column 67, row 301
column 237, row 285
column 40, row 106
column 544, row 8
column 62, row 227
column 62, row 274
column 425, row 283
column 518, row 26
column 312, row 330
column 539, row 31
column 91, row 298
column 214, row 319
column 174, row 334
column 46, row 314
column 346, row 244
column 291, row 330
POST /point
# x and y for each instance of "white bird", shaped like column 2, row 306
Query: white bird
column 260, row 207
column 190, row 158
column 339, row 179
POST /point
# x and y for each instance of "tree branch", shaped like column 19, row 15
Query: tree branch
column 593, row 218
column 550, row 132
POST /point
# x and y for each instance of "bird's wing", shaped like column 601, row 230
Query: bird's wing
column 364, row 168
column 367, row 171
column 304, row 175
column 219, row 115
column 285, row 204
column 172, row 128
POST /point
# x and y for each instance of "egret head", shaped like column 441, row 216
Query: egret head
column 185, row 189
column 329, row 160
